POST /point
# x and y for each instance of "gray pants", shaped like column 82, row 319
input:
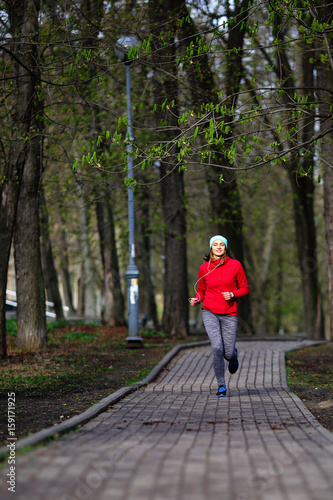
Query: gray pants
column 222, row 333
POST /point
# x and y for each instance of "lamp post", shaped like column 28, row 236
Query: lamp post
column 122, row 48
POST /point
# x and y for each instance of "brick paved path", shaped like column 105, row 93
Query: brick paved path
column 174, row 440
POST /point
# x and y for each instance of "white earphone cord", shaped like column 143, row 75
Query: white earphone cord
column 195, row 284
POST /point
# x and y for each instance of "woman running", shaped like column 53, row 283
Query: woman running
column 221, row 283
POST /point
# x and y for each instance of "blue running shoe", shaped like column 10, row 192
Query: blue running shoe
column 233, row 365
column 222, row 391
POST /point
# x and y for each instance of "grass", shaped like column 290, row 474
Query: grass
column 81, row 365
column 153, row 333
column 142, row 374
column 311, row 368
column 80, row 336
column 297, row 377
column 310, row 376
column 79, row 355
column 11, row 327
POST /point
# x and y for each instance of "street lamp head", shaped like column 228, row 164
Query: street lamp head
column 123, row 46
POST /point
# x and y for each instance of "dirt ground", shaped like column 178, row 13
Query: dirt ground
column 37, row 412
column 66, row 394
column 310, row 376
column 66, row 379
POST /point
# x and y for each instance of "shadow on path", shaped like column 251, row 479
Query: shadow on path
column 174, row 440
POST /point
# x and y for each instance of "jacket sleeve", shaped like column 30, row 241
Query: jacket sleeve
column 201, row 285
column 242, row 284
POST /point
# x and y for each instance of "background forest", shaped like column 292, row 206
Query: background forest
column 232, row 134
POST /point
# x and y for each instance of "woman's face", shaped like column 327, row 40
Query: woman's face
column 218, row 249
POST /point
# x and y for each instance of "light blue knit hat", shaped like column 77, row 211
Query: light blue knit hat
column 218, row 237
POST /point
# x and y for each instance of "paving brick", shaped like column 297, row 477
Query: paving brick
column 174, row 440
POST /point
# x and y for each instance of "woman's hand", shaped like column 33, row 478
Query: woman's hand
column 228, row 295
column 194, row 301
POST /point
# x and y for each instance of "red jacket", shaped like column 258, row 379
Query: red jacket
column 214, row 279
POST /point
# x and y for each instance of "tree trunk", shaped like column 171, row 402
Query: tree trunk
column 303, row 189
column 302, row 186
column 114, row 305
column 12, row 175
column 49, row 270
column 175, row 313
column 9, row 193
column 90, row 289
column 143, row 202
column 325, row 106
column 225, row 201
column 279, row 297
column 326, row 157
column 113, row 312
column 24, row 31
column 81, row 292
column 163, row 15
column 64, row 267
column 263, row 269
column 9, row 197
column 31, row 320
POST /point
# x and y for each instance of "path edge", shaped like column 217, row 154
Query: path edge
column 297, row 400
column 92, row 412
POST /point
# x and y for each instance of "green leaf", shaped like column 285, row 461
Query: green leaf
column 74, row 167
